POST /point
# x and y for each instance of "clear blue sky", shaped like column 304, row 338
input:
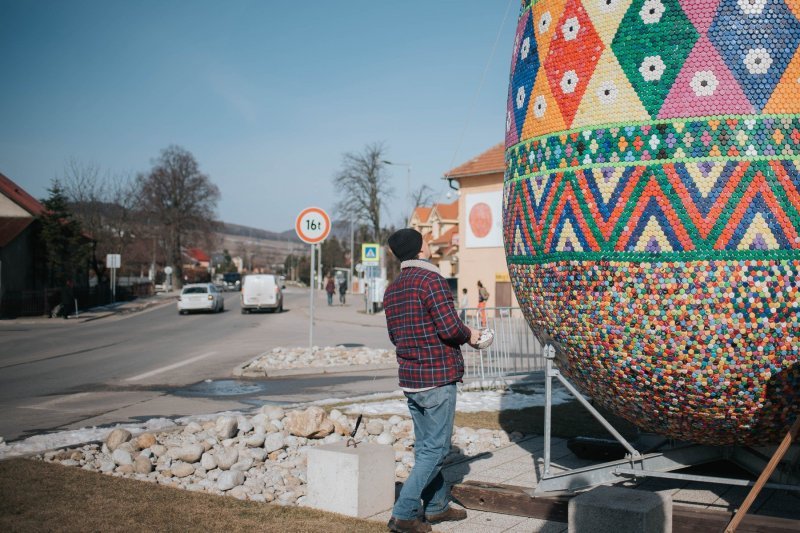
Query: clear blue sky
column 266, row 95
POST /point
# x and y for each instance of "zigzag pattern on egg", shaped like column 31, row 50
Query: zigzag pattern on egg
column 652, row 206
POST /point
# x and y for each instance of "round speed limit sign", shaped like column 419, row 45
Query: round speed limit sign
column 312, row 225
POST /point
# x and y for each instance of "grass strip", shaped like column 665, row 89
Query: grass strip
column 37, row 496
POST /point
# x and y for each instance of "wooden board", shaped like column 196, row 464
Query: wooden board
column 513, row 500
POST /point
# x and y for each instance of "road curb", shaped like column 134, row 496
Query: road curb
column 239, row 371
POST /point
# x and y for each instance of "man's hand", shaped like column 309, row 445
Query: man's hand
column 474, row 335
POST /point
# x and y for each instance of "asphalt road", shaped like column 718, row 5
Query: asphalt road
column 58, row 374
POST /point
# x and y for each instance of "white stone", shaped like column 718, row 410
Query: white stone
column 226, row 427
column 122, row 457
column 116, row 438
column 226, row 458
column 385, row 438
column 207, row 461
column 255, row 441
column 273, row 412
column 311, row 423
column 244, row 425
column 107, row 466
column 189, row 453
column 243, row 465
column 274, row 442
column 375, row 427
column 181, row 469
column 351, row 481
column 240, row 493
column 229, row 479
column 142, row 464
column 258, row 454
column 192, row 428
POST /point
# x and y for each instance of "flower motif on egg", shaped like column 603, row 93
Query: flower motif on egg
column 607, row 92
column 607, row 6
column 520, row 97
column 651, row 11
column 757, row 61
column 525, row 49
column 752, row 7
column 569, row 81
column 704, row 83
column 539, row 106
column 544, row 22
column 652, row 68
column 571, row 28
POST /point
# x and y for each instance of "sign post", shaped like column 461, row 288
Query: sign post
column 113, row 262
column 370, row 258
column 312, row 226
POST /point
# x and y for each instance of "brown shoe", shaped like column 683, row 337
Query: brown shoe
column 408, row 526
column 450, row 515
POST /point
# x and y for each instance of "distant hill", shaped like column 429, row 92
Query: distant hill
column 254, row 233
column 340, row 230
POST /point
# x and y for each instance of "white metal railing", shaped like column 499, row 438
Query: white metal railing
column 515, row 349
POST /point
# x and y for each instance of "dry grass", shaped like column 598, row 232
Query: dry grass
column 36, row 496
column 568, row 419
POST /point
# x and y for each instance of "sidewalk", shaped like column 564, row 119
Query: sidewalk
column 520, row 464
column 104, row 311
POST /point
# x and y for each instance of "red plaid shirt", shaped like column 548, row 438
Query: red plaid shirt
column 424, row 327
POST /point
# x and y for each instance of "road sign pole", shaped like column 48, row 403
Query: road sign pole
column 311, row 305
column 312, row 225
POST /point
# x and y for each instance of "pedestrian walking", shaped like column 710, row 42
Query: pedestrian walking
column 463, row 304
column 483, row 296
column 330, row 289
column 342, row 291
column 427, row 334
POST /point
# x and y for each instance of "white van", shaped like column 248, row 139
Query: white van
column 261, row 291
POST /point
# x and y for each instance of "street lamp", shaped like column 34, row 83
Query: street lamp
column 408, row 178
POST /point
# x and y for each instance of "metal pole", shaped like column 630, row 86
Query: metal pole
column 352, row 259
column 319, row 269
column 549, row 354
column 311, row 303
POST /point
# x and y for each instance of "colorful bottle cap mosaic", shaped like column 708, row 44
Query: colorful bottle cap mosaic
column 652, row 207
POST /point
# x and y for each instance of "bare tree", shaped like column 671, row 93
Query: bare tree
column 180, row 198
column 363, row 187
column 105, row 206
column 422, row 196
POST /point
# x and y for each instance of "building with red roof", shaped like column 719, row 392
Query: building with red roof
column 481, row 255
column 439, row 227
column 22, row 270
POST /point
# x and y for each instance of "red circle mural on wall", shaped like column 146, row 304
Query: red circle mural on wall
column 480, row 219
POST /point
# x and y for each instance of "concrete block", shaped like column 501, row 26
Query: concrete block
column 615, row 509
column 351, row 481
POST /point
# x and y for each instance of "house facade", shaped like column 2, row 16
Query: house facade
column 481, row 256
column 438, row 225
column 22, row 265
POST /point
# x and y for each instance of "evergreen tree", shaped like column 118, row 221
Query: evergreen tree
column 65, row 246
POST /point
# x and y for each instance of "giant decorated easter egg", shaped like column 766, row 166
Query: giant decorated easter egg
column 652, row 207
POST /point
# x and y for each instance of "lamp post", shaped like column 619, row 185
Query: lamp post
column 408, row 179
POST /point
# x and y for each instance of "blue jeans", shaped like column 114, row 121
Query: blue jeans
column 432, row 412
column 330, row 298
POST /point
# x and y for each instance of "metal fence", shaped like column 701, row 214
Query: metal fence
column 515, row 349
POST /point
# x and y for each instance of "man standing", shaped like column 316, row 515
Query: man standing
column 427, row 334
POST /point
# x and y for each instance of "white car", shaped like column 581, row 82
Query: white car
column 200, row 297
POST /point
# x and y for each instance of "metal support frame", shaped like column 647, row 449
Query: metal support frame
column 635, row 465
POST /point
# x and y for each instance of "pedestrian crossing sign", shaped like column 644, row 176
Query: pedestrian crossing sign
column 370, row 252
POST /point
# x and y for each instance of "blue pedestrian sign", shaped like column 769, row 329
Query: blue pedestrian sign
column 370, row 252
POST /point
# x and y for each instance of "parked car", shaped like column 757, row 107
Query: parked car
column 200, row 297
column 261, row 291
column 232, row 281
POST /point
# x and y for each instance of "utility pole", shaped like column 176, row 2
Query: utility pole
column 408, row 186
